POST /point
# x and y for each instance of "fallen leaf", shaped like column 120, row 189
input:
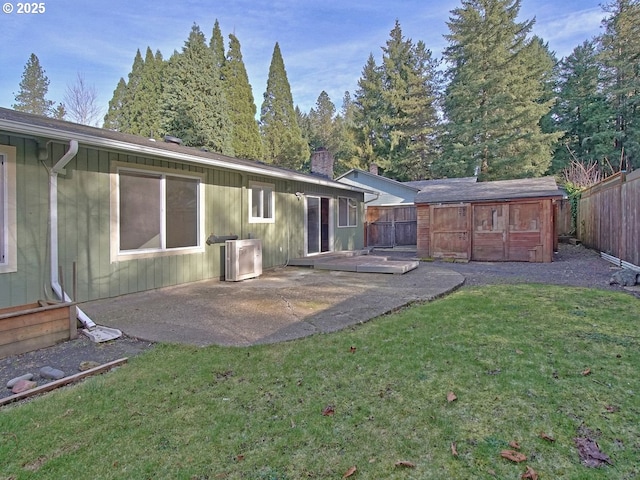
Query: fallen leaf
column 328, row 410
column 405, row 463
column 590, row 453
column 530, row 474
column 586, row 372
column 612, row 408
column 350, row 472
column 454, row 450
column 513, row 456
column 546, row 437
column 352, row 349
column 515, row 445
column 451, row 397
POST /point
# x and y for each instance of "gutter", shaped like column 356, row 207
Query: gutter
column 147, row 148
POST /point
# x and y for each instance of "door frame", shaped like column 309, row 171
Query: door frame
column 326, row 211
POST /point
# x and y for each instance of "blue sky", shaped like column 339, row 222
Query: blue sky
column 324, row 43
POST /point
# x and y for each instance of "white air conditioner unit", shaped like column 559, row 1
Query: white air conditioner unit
column 243, row 259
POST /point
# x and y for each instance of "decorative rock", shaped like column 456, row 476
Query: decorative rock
column 624, row 277
column 88, row 365
column 13, row 381
column 23, row 386
column 52, row 373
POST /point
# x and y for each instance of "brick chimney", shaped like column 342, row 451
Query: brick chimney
column 373, row 168
column 322, row 163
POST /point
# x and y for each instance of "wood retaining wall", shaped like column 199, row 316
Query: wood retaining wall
column 30, row 327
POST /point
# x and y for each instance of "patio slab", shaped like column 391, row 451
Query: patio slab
column 283, row 304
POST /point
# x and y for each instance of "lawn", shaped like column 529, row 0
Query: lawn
column 536, row 365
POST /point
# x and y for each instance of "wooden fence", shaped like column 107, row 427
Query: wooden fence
column 609, row 217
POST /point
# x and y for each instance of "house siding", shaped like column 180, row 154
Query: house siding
column 84, row 223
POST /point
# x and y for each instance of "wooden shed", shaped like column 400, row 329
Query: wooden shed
column 508, row 220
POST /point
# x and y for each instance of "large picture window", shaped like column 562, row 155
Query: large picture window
column 261, row 203
column 8, row 251
column 157, row 211
column 347, row 212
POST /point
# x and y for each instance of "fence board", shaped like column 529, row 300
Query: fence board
column 609, row 217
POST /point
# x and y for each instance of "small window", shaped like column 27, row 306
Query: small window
column 347, row 212
column 8, row 249
column 261, row 203
column 157, row 212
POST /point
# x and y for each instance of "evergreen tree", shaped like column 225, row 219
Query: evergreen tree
column 144, row 96
column 582, row 111
column 396, row 116
column 620, row 55
column 129, row 107
column 322, row 124
column 114, row 118
column 281, row 135
column 493, row 101
column 216, row 44
column 345, row 156
column 194, row 103
column 32, row 97
column 368, row 114
column 246, row 141
column 408, row 76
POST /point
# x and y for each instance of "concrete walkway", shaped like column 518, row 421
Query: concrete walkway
column 282, row 304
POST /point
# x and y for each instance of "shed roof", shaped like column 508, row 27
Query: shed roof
column 38, row 127
column 487, row 191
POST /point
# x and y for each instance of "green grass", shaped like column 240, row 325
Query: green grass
column 513, row 355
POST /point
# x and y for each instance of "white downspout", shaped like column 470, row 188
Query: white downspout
column 53, row 218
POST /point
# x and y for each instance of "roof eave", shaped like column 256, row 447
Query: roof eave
column 21, row 128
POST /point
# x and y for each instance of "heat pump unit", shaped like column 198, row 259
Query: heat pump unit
column 243, row 259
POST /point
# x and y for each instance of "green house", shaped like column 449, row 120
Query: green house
column 116, row 214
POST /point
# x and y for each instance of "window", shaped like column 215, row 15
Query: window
column 8, row 251
column 347, row 212
column 157, row 212
column 261, row 203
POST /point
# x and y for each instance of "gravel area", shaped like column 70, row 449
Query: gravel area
column 572, row 266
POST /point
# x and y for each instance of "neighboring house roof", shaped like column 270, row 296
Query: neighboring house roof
column 488, row 191
column 385, row 191
column 51, row 129
column 422, row 184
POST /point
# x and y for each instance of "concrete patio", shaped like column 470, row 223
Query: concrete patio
column 283, row 304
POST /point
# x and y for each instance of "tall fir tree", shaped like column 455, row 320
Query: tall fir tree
column 246, row 139
column 346, row 157
column 129, row 107
column 114, row 118
column 322, row 124
column 582, row 111
column 367, row 116
column 34, row 86
column 216, row 45
column 396, row 118
column 493, row 104
column 620, row 44
column 194, row 102
column 281, row 136
column 144, row 112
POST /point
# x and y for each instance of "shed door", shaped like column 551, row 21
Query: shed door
column 490, row 232
column 449, row 227
column 525, row 235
